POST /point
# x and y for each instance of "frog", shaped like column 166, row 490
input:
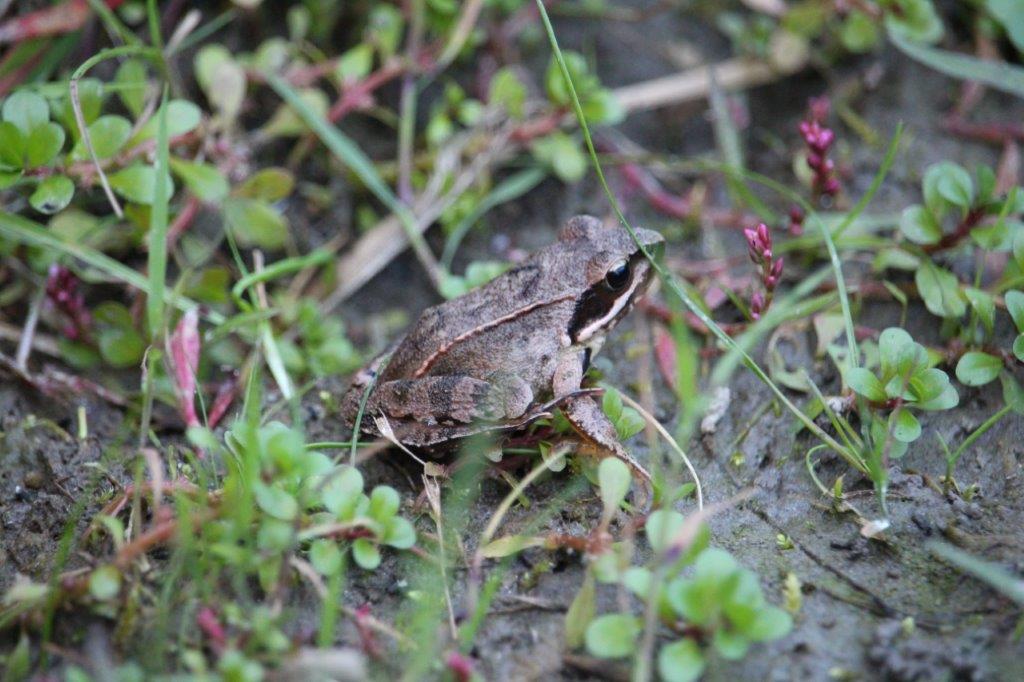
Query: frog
column 511, row 351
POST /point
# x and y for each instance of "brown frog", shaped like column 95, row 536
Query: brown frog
column 504, row 354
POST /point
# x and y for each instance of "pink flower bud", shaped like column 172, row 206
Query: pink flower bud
column 777, row 268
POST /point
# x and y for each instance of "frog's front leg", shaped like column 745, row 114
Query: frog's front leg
column 453, row 398
column 587, row 418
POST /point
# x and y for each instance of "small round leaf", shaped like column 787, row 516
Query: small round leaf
column 681, row 661
column 612, row 635
column 105, row 583
column 53, row 194
column 366, row 554
column 977, row 368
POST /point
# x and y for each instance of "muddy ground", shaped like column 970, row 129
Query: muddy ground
column 856, row 593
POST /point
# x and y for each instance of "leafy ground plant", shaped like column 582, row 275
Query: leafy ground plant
column 203, row 209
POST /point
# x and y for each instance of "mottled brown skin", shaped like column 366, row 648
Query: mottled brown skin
column 506, row 353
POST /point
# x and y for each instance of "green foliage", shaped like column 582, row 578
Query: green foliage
column 721, row 600
column 599, row 105
column 299, row 500
column 627, row 421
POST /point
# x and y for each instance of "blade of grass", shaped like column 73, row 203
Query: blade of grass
column 999, row 75
column 996, row 576
column 280, row 268
column 158, row 227
column 153, row 16
column 353, row 157
column 24, row 231
column 662, row 273
column 508, row 189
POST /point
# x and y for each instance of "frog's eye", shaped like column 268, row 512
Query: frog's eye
column 617, row 276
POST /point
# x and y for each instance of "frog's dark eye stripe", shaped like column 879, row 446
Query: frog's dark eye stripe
column 600, row 306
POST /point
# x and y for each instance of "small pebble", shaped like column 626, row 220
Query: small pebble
column 33, row 479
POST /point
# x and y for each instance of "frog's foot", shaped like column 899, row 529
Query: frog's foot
column 601, row 440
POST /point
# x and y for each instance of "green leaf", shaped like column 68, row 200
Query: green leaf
column 121, row 346
column 1009, row 13
column 1015, row 306
column 384, row 503
column 400, row 534
column 508, row 91
column 729, row 644
column 562, row 154
column 612, row 635
column 26, row 110
column 105, row 583
column 984, row 306
column 268, row 184
column 342, row 489
column 946, row 400
column 203, row 180
column 997, row 74
column 919, row 225
column 256, row 223
column 131, row 80
column 366, row 554
column 384, row 28
column 276, row 502
column 355, row 64
column 940, row 290
column 954, row 185
column 53, row 194
column 108, row 135
column 136, row 183
column 891, row 343
column 858, row 32
column 509, row 545
column 90, row 97
column 287, row 123
column 325, row 556
column 1013, row 394
column 18, row 665
column 182, row 117
column 994, row 237
column 681, row 661
column 772, row 623
column 44, row 143
column 915, row 20
column 581, row 613
column 904, row 426
column 661, row 527
column 222, row 79
column 614, row 479
column 12, row 146
column 1018, row 347
column 865, row 383
column 977, row 369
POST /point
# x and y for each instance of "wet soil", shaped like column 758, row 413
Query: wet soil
column 858, row 594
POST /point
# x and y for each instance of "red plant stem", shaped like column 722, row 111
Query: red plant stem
column 962, row 230
column 358, row 95
column 51, row 21
column 540, row 127
column 994, row 132
column 19, row 74
column 182, row 221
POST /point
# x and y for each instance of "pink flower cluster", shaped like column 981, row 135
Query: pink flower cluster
column 819, row 139
column 63, row 292
column 759, row 247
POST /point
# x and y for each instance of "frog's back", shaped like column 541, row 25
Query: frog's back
column 443, row 326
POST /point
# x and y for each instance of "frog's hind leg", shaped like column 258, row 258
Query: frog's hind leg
column 452, row 398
